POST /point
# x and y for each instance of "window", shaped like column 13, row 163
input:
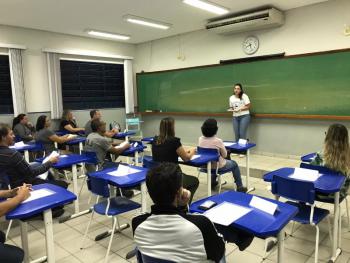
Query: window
column 6, row 105
column 92, row 85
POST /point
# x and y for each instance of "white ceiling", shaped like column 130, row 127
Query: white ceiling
column 74, row 16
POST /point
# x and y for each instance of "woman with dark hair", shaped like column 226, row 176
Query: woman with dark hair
column 46, row 136
column 23, row 128
column 239, row 105
column 209, row 140
column 168, row 148
column 335, row 156
column 68, row 123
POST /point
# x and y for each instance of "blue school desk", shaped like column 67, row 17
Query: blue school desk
column 256, row 222
column 71, row 161
column 129, row 180
column 44, row 204
column 123, row 135
column 28, row 147
column 134, row 150
column 204, row 160
column 147, row 139
column 77, row 140
column 327, row 184
column 308, row 157
column 239, row 148
column 62, row 133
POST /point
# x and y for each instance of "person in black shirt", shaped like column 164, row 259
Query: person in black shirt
column 169, row 233
column 68, row 123
column 168, row 148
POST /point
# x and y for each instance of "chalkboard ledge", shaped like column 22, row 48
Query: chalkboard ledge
column 257, row 115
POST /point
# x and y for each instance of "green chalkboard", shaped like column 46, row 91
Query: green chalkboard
column 316, row 84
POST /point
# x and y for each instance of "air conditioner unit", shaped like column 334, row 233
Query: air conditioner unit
column 261, row 19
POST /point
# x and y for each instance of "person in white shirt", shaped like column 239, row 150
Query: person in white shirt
column 239, row 105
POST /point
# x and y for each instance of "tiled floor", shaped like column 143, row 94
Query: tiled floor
column 68, row 236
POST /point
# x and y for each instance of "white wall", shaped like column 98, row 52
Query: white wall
column 307, row 29
column 35, row 74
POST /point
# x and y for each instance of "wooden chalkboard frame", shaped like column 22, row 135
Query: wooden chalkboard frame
column 228, row 114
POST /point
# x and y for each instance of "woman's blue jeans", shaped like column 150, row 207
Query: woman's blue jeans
column 240, row 126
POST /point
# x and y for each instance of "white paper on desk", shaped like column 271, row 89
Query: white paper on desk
column 123, row 170
column 36, row 194
column 263, row 205
column 46, row 174
column 305, row 174
column 192, row 158
column 229, row 144
column 18, row 145
column 242, row 142
column 226, row 213
column 72, row 136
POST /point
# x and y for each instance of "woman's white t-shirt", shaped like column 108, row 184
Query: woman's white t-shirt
column 236, row 103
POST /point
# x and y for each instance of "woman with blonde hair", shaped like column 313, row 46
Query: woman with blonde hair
column 336, row 154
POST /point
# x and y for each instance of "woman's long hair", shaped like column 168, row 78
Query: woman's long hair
column 65, row 115
column 166, row 130
column 242, row 91
column 17, row 120
column 336, row 149
column 40, row 123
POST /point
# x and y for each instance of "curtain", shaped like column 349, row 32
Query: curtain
column 17, row 83
column 54, row 85
column 128, row 86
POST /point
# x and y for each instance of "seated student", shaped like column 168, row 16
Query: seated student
column 98, row 143
column 68, row 123
column 209, row 140
column 335, row 156
column 96, row 114
column 23, row 128
column 169, row 233
column 17, row 168
column 167, row 148
column 46, row 136
column 9, row 253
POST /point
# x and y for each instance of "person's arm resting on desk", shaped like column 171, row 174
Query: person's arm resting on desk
column 21, row 194
column 185, row 155
column 119, row 148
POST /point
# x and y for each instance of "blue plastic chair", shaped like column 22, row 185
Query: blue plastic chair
column 110, row 206
column 323, row 169
column 214, row 172
column 303, row 195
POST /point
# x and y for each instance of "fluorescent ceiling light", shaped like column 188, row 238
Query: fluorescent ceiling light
column 208, row 6
column 146, row 22
column 107, row 35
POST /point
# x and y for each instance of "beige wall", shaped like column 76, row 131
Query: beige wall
column 35, row 74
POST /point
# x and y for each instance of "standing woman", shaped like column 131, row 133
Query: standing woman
column 240, row 104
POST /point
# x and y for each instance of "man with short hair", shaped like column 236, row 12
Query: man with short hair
column 169, row 233
column 96, row 115
column 98, row 143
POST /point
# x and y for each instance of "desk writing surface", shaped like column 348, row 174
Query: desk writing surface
column 294, row 85
column 59, row 197
column 257, row 222
column 122, row 181
column 327, row 183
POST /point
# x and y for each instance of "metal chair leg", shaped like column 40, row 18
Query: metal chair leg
column 316, row 243
column 111, row 239
column 87, row 229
